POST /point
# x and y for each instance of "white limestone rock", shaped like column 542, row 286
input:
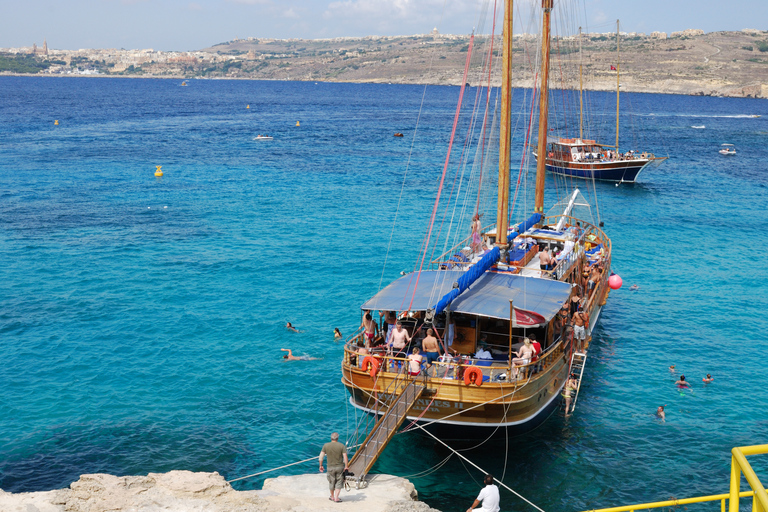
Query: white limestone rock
column 185, row 491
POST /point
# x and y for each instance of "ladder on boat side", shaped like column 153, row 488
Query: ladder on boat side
column 578, row 361
column 384, row 429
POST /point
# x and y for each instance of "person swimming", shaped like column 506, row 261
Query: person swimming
column 291, row 327
column 709, row 378
column 290, row 357
column 337, row 334
column 660, row 413
column 672, row 368
column 681, row 383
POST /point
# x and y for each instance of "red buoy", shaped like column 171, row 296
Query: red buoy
column 614, row 282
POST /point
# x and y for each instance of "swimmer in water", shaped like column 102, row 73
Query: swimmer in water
column 672, row 368
column 291, row 328
column 681, row 383
column 291, row 357
column 709, row 378
column 337, row 334
column 634, row 288
column 660, row 413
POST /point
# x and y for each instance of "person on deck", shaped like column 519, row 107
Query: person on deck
column 337, row 463
column 414, row 362
column 580, row 320
column 477, row 227
column 525, row 354
column 398, row 340
column 489, row 496
column 370, row 329
column 545, row 259
column 389, row 323
column 536, row 346
column 431, row 348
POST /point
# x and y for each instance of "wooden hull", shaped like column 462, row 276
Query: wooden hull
column 451, row 405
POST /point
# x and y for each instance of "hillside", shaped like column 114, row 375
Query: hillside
column 718, row 63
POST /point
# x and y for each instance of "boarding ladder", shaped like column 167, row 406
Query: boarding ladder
column 384, row 429
column 578, row 361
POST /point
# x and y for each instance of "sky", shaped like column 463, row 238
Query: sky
column 183, row 25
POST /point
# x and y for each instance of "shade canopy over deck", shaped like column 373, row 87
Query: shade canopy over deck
column 489, row 296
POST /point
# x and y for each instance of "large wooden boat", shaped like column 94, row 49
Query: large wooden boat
column 493, row 295
column 584, row 158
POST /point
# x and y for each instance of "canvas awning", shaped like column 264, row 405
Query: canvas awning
column 489, row 296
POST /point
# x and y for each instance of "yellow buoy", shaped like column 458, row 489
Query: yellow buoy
column 247, row 106
column 297, row 123
column 159, row 171
column 56, row 122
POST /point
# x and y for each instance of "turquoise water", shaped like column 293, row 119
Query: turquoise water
column 141, row 318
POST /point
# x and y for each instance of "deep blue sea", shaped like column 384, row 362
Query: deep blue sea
column 141, row 318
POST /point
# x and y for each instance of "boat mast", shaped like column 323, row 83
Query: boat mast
column 506, row 128
column 541, row 161
column 581, row 92
column 617, row 86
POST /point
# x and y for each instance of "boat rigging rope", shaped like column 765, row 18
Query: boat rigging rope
column 481, row 469
column 445, row 167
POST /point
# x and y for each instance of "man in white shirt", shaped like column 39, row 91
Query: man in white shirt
column 489, row 496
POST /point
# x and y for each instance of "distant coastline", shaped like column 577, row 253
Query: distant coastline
column 733, row 64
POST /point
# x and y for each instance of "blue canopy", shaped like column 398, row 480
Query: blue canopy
column 489, row 296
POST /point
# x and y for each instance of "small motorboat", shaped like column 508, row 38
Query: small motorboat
column 398, row 134
column 727, row 149
column 262, row 137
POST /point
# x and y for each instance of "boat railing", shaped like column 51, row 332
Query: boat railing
column 455, row 367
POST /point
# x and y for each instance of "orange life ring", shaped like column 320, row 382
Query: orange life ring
column 373, row 363
column 473, row 374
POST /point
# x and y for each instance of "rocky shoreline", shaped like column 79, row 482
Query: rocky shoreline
column 187, row 491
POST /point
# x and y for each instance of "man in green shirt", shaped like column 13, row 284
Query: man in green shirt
column 337, row 463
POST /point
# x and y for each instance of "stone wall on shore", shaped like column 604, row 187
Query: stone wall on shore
column 190, row 492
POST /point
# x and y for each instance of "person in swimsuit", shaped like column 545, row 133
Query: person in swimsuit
column 580, row 320
column 291, row 357
column 337, row 334
column 431, row 348
column 709, row 378
column 681, row 383
column 291, row 327
column 370, row 329
column 545, row 259
column 397, row 340
column 414, row 362
column 524, row 355
column 660, row 413
column 476, row 229
column 571, row 385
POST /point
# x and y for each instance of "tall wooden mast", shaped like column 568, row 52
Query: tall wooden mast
column 506, row 127
column 618, row 84
column 541, row 161
column 581, row 93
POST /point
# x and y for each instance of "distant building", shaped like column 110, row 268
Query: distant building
column 658, row 35
column 752, row 31
column 435, row 32
column 689, row 32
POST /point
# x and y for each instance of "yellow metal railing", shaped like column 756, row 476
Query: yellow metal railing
column 739, row 466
